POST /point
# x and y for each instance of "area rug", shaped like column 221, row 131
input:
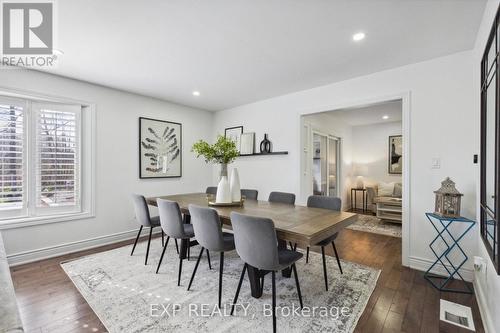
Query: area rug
column 128, row 296
column 375, row 225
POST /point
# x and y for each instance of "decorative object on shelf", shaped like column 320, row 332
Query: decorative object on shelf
column 235, row 185
column 265, row 145
column 448, row 199
column 223, row 152
column 396, row 154
column 160, row 148
column 234, row 133
column 247, row 143
column 223, row 191
column 441, row 246
column 360, row 184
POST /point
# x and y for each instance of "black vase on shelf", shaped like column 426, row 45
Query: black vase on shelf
column 265, row 145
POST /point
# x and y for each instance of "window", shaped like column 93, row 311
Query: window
column 40, row 159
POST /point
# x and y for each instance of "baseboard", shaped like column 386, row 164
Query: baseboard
column 422, row 264
column 483, row 308
column 62, row 249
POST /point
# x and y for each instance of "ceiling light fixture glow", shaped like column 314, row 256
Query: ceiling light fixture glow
column 358, row 36
column 196, row 93
column 385, row 117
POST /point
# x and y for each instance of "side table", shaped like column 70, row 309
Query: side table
column 363, row 196
column 443, row 226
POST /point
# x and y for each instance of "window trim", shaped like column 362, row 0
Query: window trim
column 87, row 154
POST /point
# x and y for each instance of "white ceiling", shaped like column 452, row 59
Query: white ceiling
column 236, row 52
column 371, row 114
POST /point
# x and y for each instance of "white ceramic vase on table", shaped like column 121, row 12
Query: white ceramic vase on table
column 235, row 185
column 223, row 191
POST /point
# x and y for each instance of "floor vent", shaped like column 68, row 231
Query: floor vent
column 457, row 314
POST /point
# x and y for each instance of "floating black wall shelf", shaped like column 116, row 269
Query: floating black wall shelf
column 271, row 153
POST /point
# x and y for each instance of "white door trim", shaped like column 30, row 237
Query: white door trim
column 406, row 125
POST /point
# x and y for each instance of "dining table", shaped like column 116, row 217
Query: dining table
column 295, row 224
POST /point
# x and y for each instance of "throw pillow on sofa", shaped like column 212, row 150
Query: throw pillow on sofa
column 385, row 189
column 398, row 190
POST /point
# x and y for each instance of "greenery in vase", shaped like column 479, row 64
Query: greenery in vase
column 222, row 151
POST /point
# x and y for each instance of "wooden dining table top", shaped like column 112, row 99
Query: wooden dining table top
column 300, row 224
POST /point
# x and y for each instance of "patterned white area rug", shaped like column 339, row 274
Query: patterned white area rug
column 129, row 297
column 375, row 225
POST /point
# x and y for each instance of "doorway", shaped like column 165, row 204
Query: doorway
column 349, row 167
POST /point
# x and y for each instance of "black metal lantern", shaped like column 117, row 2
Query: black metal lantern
column 448, row 199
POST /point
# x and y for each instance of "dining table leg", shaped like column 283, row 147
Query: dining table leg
column 185, row 243
column 254, row 276
column 287, row 272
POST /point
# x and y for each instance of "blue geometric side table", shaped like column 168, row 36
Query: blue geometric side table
column 443, row 226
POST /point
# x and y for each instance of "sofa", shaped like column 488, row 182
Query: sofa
column 374, row 195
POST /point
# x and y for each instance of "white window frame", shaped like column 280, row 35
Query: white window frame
column 87, row 148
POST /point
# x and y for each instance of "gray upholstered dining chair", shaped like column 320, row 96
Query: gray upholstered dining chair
column 282, row 197
column 332, row 203
column 211, row 190
column 208, row 233
column 174, row 227
column 144, row 218
column 257, row 245
column 250, row 194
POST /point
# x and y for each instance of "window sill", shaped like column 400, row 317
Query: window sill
column 38, row 220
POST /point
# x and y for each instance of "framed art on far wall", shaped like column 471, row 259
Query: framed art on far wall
column 160, row 148
column 234, row 133
column 395, row 154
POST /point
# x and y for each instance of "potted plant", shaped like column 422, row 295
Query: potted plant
column 222, row 152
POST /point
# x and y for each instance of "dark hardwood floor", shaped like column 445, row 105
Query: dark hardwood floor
column 402, row 301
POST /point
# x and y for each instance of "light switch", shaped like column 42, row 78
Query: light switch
column 436, row 163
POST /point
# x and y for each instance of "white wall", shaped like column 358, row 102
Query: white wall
column 117, row 162
column 487, row 281
column 370, row 151
column 441, row 110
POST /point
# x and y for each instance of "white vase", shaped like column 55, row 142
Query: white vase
column 235, row 185
column 360, row 184
column 223, row 191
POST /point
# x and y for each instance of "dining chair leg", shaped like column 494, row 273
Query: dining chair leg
column 337, row 256
column 162, row 238
column 274, row 301
column 239, row 287
column 209, row 263
column 307, row 255
column 136, row 239
column 180, row 271
column 195, row 267
column 176, row 246
column 149, row 243
column 221, row 270
column 189, row 251
column 262, row 284
column 324, row 267
column 162, row 254
column 297, row 284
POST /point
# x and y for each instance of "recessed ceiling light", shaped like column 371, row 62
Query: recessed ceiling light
column 196, row 93
column 385, row 117
column 358, row 36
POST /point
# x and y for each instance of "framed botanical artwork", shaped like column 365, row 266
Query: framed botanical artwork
column 395, row 154
column 247, row 143
column 234, row 133
column 160, row 148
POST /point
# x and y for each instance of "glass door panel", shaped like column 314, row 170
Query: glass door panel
column 319, row 166
column 333, row 167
